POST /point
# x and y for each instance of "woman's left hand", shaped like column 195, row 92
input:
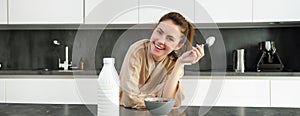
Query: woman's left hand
column 193, row 55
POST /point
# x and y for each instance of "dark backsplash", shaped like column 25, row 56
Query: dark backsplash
column 34, row 49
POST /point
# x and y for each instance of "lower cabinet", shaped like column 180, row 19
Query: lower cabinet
column 249, row 93
column 195, row 92
column 198, row 92
column 229, row 92
column 87, row 90
column 285, row 93
column 53, row 91
column 2, row 91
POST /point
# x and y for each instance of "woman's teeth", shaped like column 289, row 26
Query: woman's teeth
column 158, row 47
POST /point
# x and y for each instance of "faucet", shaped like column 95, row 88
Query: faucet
column 65, row 64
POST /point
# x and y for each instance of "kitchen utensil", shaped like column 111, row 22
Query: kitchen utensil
column 269, row 59
column 208, row 42
column 239, row 60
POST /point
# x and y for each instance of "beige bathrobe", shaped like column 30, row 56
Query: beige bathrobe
column 142, row 77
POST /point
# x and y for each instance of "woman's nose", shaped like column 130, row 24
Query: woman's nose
column 161, row 41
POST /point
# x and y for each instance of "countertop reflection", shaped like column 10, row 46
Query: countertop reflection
column 186, row 73
column 47, row 72
column 91, row 110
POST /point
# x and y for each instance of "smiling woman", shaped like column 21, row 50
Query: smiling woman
column 152, row 67
column 165, row 38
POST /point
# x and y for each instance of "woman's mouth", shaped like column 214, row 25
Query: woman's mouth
column 159, row 47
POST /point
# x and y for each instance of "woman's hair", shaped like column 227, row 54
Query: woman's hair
column 186, row 28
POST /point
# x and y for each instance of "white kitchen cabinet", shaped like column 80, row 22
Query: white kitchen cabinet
column 285, row 93
column 151, row 11
column 53, row 91
column 218, row 92
column 2, row 91
column 195, row 91
column 45, row 11
column 111, row 11
column 87, row 89
column 249, row 93
column 276, row 10
column 3, row 11
column 223, row 11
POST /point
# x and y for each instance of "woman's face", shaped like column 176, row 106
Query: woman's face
column 165, row 39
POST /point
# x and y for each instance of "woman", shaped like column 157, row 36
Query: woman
column 152, row 68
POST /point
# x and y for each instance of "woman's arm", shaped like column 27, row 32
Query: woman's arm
column 129, row 84
column 192, row 56
column 172, row 82
column 130, row 75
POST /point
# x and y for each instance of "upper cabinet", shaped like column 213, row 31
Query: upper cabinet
column 276, row 10
column 145, row 11
column 45, row 11
column 223, row 11
column 150, row 11
column 111, row 11
column 3, row 11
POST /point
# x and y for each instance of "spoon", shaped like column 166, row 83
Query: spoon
column 208, row 42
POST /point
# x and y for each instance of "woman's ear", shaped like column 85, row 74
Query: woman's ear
column 179, row 46
column 181, row 43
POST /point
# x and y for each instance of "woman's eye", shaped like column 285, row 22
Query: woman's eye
column 159, row 32
column 171, row 39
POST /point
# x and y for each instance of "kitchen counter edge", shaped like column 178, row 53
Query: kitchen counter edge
column 187, row 75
